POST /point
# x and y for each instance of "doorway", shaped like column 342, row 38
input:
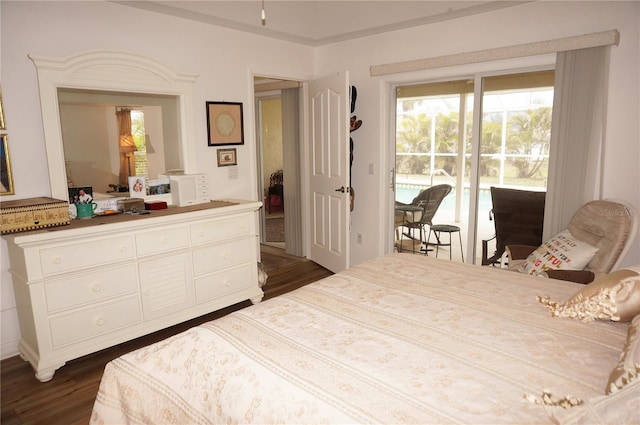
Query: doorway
column 278, row 149
column 269, row 115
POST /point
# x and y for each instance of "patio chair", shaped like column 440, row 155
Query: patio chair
column 429, row 199
column 518, row 216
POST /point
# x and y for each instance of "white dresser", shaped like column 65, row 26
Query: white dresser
column 99, row 282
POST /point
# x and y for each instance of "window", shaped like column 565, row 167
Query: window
column 434, row 143
column 141, row 167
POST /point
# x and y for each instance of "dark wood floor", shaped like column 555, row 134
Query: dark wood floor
column 68, row 398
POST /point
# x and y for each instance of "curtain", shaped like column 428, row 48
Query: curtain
column 577, row 135
column 291, row 167
column 126, row 144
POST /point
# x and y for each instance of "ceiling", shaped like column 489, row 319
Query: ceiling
column 316, row 23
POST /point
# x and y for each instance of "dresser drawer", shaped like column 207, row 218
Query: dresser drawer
column 161, row 240
column 202, row 191
column 223, row 228
column 226, row 282
column 86, row 288
column 84, row 255
column 89, row 323
column 227, row 254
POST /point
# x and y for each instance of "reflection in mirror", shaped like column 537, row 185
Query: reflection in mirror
column 96, row 155
column 116, row 78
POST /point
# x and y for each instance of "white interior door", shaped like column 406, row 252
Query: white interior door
column 329, row 171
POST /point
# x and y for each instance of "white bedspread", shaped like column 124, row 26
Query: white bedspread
column 400, row 339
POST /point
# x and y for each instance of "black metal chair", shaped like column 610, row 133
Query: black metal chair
column 438, row 230
column 518, row 216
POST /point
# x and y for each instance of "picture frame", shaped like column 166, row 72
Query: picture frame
column 3, row 124
column 159, row 186
column 6, row 175
column 227, row 157
column 81, row 195
column 137, row 187
column 225, row 123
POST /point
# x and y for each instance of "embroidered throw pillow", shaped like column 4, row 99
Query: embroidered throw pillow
column 614, row 296
column 562, row 252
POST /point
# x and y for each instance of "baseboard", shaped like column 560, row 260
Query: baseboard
column 9, row 349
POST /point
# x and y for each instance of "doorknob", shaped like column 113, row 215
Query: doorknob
column 342, row 189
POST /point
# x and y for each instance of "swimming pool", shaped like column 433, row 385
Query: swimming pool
column 406, row 192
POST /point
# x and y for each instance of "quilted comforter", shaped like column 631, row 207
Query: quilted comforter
column 399, row 339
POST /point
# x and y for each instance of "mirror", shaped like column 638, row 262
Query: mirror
column 108, row 77
column 90, row 137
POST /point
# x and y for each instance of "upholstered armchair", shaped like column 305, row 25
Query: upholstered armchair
column 594, row 243
column 275, row 193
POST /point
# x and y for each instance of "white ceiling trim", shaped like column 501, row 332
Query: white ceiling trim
column 598, row 39
column 320, row 22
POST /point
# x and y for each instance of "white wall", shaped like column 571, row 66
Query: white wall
column 530, row 22
column 225, row 61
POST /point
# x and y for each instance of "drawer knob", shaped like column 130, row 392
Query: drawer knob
column 96, row 288
column 201, row 234
column 57, row 260
column 165, row 241
column 225, row 255
column 123, row 248
column 227, row 283
column 100, row 322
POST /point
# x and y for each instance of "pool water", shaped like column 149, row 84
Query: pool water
column 406, row 193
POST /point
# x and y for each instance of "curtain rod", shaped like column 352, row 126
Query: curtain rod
column 597, row 39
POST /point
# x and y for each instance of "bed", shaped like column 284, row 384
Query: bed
column 399, row 339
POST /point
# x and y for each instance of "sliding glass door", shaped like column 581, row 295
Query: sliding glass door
column 436, row 143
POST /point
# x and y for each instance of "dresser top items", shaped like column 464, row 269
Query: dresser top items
column 173, row 214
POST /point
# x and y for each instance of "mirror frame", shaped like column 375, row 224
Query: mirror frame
column 108, row 70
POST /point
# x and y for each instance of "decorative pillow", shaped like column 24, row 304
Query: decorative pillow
column 561, row 252
column 629, row 364
column 613, row 296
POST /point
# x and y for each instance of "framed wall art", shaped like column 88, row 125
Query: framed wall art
column 224, row 123
column 3, row 124
column 6, row 176
column 227, row 157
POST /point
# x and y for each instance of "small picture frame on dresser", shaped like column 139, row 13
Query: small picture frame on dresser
column 137, row 187
column 81, row 195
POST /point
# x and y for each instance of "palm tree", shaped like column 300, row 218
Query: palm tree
column 413, row 137
column 528, row 134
